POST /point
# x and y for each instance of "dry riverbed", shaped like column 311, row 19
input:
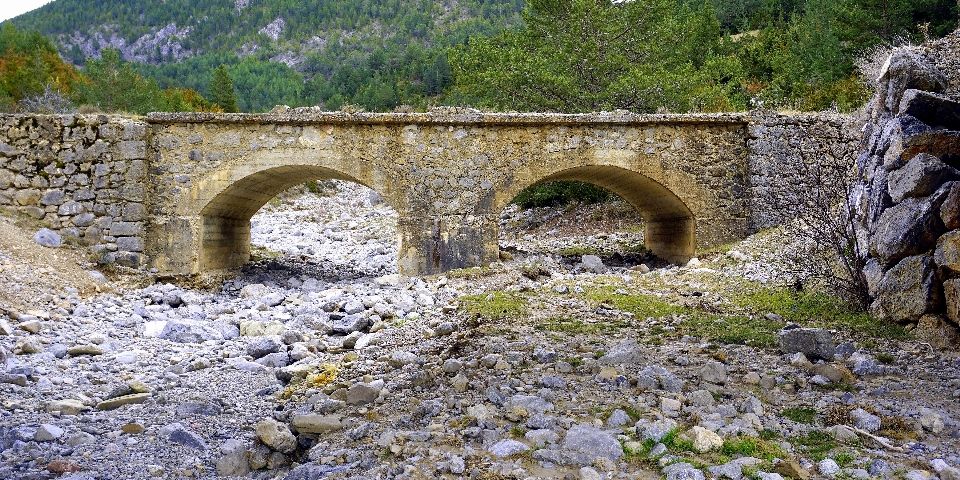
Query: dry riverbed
column 318, row 361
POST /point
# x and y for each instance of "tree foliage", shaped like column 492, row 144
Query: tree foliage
column 30, row 67
column 222, row 92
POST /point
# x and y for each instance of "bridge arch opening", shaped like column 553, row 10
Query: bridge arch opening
column 668, row 224
column 311, row 214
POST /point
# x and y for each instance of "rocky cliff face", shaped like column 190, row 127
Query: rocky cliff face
column 907, row 194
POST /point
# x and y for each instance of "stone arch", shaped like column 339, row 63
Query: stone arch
column 225, row 216
column 670, row 225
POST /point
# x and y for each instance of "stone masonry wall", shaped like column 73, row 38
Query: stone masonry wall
column 83, row 176
column 780, row 144
column 99, row 180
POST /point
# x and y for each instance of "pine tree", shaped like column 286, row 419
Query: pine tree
column 221, row 90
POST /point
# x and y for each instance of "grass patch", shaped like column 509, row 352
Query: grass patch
column 641, row 306
column 800, row 414
column 815, row 443
column 572, row 325
column 819, row 309
column 494, row 306
column 886, row 358
column 258, row 253
column 472, row 273
column 752, row 447
column 738, row 329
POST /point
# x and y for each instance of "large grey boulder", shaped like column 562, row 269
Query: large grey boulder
column 920, row 177
column 930, row 108
column 812, row 342
column 907, row 69
column 907, row 291
column 909, row 228
column 589, row 440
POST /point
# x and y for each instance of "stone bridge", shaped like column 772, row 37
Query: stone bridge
column 176, row 191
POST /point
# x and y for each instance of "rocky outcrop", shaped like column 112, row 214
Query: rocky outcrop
column 907, row 197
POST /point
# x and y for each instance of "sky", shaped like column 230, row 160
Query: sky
column 12, row 8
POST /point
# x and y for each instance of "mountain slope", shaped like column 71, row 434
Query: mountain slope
column 376, row 53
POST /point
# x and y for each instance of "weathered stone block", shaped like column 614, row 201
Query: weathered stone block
column 947, row 254
column 920, row 177
column 950, row 209
column 130, row 244
column 71, row 208
column 907, row 229
column 52, row 197
column 134, row 212
column 907, row 291
column 908, row 70
column 951, row 294
column 938, row 332
column 930, row 108
column 27, row 197
column 133, row 150
column 812, row 342
column 83, row 220
column 126, row 229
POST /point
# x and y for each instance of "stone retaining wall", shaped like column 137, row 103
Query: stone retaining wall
column 780, row 145
column 908, row 199
column 81, row 175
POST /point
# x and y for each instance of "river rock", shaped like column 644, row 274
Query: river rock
column 812, row 342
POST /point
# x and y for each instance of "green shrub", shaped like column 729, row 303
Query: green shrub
column 561, row 193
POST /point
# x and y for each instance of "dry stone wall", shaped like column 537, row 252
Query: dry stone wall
column 908, row 198
column 81, row 175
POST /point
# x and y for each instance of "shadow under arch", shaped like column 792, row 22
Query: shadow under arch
column 669, row 225
column 225, row 219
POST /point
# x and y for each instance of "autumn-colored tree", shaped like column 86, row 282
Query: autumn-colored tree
column 31, row 66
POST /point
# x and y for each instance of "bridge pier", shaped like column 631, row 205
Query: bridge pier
column 434, row 244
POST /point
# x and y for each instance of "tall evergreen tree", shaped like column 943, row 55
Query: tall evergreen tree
column 115, row 87
column 222, row 92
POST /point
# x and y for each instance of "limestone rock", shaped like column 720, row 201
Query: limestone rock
column 812, row 342
column 276, row 435
column 935, row 330
column 587, row 439
column 118, row 402
column 315, row 423
column 947, row 254
column 233, row 460
column 907, row 229
column 920, row 177
column 906, row 70
column 792, row 469
column 714, row 372
column 362, row 393
column 507, row 447
column 930, row 108
column 950, row 209
column 907, row 291
column 47, row 238
column 704, row 440
column 682, row 471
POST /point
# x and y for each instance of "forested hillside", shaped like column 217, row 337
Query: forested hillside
column 560, row 55
column 377, row 53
